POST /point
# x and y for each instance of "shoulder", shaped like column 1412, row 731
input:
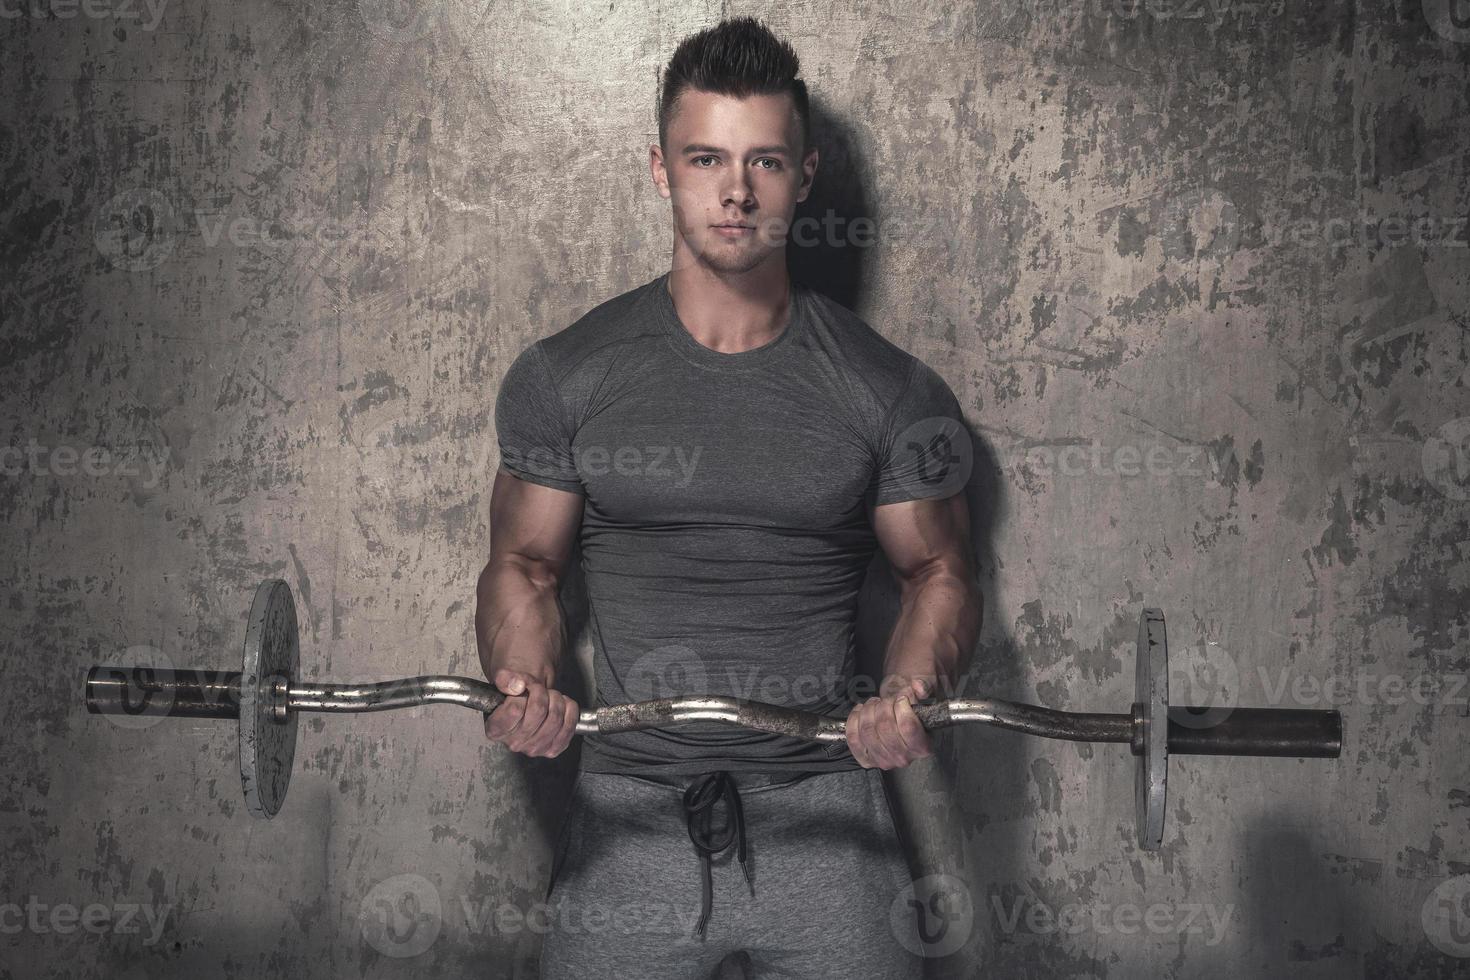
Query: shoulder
column 601, row 332
column 870, row 360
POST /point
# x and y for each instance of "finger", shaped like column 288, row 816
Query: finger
column 864, row 753
column 877, row 753
column 535, row 714
column 505, row 718
column 509, row 682
column 539, row 742
column 570, row 715
column 855, row 743
column 528, row 722
column 886, row 728
column 911, row 731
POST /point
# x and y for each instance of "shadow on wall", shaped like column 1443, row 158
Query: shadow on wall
column 926, row 797
column 1323, row 937
column 816, row 256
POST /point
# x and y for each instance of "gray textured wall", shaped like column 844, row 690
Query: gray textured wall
column 267, row 263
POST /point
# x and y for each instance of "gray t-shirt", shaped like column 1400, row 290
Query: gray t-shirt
column 725, row 532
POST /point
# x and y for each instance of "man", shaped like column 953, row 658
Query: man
column 730, row 447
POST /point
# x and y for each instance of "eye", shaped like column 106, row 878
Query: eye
column 696, row 160
column 775, row 164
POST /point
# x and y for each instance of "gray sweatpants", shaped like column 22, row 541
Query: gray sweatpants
column 828, row 872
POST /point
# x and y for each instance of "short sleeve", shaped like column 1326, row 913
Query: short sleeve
column 531, row 425
column 924, row 449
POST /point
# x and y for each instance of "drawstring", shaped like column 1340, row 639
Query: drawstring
column 699, row 802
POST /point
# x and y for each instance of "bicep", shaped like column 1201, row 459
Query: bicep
column 532, row 522
column 917, row 535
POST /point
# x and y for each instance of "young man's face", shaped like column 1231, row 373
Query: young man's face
column 732, row 162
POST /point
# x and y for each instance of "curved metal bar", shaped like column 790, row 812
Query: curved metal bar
column 1073, row 726
column 409, row 692
column 757, row 716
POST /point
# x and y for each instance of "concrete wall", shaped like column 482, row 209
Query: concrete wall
column 270, row 260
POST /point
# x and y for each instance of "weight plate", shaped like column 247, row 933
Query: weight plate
column 268, row 742
column 1151, row 695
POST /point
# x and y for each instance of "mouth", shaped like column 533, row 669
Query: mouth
column 734, row 230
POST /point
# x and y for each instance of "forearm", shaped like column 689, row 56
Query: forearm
column 518, row 618
column 940, row 614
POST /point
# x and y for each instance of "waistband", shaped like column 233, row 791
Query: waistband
column 747, row 782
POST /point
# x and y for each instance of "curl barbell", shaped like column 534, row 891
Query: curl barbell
column 266, row 699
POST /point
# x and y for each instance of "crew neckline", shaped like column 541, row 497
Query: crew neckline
column 683, row 341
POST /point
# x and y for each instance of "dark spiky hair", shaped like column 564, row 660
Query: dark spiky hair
column 738, row 57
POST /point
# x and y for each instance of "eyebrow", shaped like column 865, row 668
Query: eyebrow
column 703, row 148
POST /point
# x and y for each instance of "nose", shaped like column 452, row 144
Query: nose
column 737, row 190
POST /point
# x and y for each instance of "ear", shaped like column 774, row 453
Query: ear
column 657, row 170
column 808, row 174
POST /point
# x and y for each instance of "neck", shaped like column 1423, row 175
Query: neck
column 732, row 313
